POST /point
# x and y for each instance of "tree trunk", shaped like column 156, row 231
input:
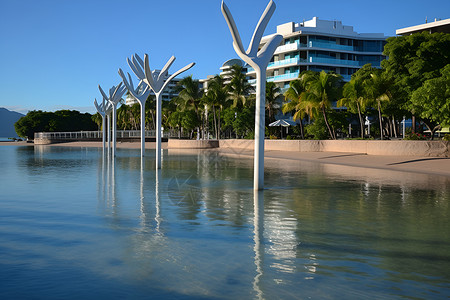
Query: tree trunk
column 361, row 123
column 302, row 133
column 218, row 125
column 381, row 121
column 215, row 121
column 326, row 122
column 395, row 126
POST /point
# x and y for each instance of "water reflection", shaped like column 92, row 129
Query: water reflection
column 315, row 231
column 258, row 238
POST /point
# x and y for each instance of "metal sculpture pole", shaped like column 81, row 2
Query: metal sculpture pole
column 115, row 95
column 140, row 94
column 102, row 109
column 108, row 127
column 258, row 60
column 157, row 82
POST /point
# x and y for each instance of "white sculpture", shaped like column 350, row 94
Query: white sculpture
column 115, row 95
column 258, row 60
column 156, row 82
column 103, row 109
column 140, row 94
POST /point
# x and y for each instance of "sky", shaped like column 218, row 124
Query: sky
column 55, row 53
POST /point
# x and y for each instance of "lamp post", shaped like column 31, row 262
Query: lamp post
column 258, row 60
column 157, row 82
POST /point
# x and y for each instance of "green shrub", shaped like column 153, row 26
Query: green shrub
column 415, row 137
column 317, row 130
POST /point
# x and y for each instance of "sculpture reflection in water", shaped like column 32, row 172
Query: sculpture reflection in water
column 258, row 238
column 107, row 182
column 144, row 217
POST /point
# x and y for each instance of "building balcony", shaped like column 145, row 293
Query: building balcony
column 289, row 61
column 284, row 62
column 290, row 47
column 342, row 62
column 283, row 77
column 315, row 44
column 333, row 61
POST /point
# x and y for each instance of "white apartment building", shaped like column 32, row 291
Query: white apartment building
column 437, row 26
column 321, row 45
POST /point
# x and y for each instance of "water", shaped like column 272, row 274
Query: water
column 73, row 226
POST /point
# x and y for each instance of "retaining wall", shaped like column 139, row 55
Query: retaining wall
column 371, row 147
column 192, row 144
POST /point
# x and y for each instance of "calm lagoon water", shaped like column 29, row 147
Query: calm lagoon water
column 76, row 226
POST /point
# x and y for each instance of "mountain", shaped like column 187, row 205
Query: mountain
column 7, row 120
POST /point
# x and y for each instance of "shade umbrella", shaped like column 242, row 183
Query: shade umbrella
column 283, row 123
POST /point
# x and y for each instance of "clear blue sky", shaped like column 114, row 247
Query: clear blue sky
column 54, row 53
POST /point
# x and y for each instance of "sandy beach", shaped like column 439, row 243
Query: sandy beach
column 415, row 164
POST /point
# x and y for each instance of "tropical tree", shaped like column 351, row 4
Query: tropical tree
column 174, row 121
column 414, row 59
column 189, row 94
column 292, row 98
column 273, row 98
column 188, row 98
column 377, row 89
column 322, row 89
column 167, row 108
column 354, row 99
column 98, row 119
column 433, row 97
column 216, row 97
column 239, row 88
column 150, row 112
column 61, row 120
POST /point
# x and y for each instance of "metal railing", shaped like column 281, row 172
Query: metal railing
column 90, row 135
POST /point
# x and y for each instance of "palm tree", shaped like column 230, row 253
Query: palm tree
column 189, row 95
column 167, row 108
column 135, row 116
column 292, row 98
column 273, row 93
column 216, row 97
column 123, row 120
column 150, row 110
column 239, row 88
column 378, row 89
column 322, row 88
column 354, row 99
column 97, row 118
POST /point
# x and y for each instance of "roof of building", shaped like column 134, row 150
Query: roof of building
column 231, row 62
column 436, row 26
column 324, row 27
